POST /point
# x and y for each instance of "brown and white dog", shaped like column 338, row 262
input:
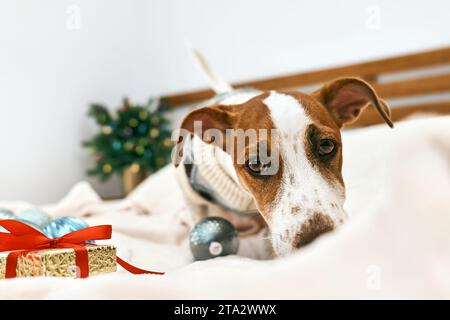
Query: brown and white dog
column 304, row 196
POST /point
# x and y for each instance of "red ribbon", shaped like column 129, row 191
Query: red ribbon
column 23, row 239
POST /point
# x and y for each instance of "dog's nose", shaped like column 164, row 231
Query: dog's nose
column 312, row 228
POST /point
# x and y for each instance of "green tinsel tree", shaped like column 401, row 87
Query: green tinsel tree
column 132, row 136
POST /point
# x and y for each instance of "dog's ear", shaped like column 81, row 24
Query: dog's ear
column 345, row 98
column 208, row 123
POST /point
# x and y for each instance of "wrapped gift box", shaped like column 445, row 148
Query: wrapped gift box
column 61, row 262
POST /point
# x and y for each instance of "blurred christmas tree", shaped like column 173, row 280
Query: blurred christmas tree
column 132, row 138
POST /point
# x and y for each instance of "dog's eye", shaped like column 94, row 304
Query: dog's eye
column 326, row 147
column 255, row 167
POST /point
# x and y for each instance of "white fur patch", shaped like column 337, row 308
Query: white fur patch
column 302, row 186
column 287, row 114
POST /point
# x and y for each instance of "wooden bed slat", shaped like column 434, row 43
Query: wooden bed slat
column 414, row 87
column 368, row 70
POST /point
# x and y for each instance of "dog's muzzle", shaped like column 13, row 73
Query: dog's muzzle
column 315, row 226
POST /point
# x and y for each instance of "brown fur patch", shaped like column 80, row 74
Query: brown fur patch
column 311, row 229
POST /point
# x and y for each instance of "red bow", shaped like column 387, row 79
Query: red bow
column 24, row 238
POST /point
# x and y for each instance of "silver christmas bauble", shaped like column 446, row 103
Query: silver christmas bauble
column 213, row 237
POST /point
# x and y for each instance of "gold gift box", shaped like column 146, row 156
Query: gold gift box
column 61, row 262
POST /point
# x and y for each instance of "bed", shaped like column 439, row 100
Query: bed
column 396, row 244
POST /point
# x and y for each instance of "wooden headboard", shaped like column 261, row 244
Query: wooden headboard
column 415, row 83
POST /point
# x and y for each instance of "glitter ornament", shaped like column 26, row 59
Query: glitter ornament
column 154, row 133
column 116, row 145
column 140, row 150
column 142, row 129
column 167, row 142
column 128, row 132
column 107, row 168
column 155, row 120
column 106, row 130
column 143, row 115
column 64, row 225
column 133, row 122
column 35, row 216
column 129, row 146
column 31, row 224
column 213, row 237
column 6, row 215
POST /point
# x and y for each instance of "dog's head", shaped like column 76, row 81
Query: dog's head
column 286, row 151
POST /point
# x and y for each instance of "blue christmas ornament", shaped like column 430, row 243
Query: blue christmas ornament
column 32, row 217
column 31, row 224
column 35, row 216
column 213, row 237
column 6, row 215
column 64, row 225
column 143, row 129
column 116, row 145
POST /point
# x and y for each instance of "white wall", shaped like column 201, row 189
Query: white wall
column 49, row 72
